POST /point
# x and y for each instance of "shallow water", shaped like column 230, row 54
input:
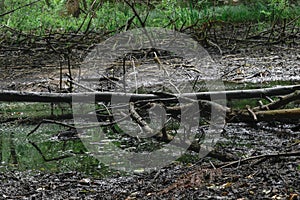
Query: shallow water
column 44, row 151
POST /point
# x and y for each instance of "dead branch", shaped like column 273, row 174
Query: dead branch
column 281, row 102
column 268, row 112
column 136, row 117
column 250, row 111
column 43, row 156
column 19, row 96
column 50, row 122
column 131, row 5
column 267, row 156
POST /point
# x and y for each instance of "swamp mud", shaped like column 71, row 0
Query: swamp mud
column 250, row 161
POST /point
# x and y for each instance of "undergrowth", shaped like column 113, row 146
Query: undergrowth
column 41, row 18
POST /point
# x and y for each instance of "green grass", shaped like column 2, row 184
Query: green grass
column 40, row 19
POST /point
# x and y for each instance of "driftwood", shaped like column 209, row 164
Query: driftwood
column 14, row 96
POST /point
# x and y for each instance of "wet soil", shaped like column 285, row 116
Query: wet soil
column 264, row 178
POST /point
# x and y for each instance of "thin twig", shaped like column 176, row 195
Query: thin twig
column 50, row 122
column 82, row 86
column 250, row 111
column 274, row 155
column 11, row 11
column 47, row 159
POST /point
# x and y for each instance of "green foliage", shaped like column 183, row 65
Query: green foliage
column 41, row 18
column 238, row 13
column 275, row 10
column 169, row 13
column 110, row 16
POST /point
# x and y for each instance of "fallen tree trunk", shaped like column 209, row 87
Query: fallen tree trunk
column 14, row 96
column 281, row 115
